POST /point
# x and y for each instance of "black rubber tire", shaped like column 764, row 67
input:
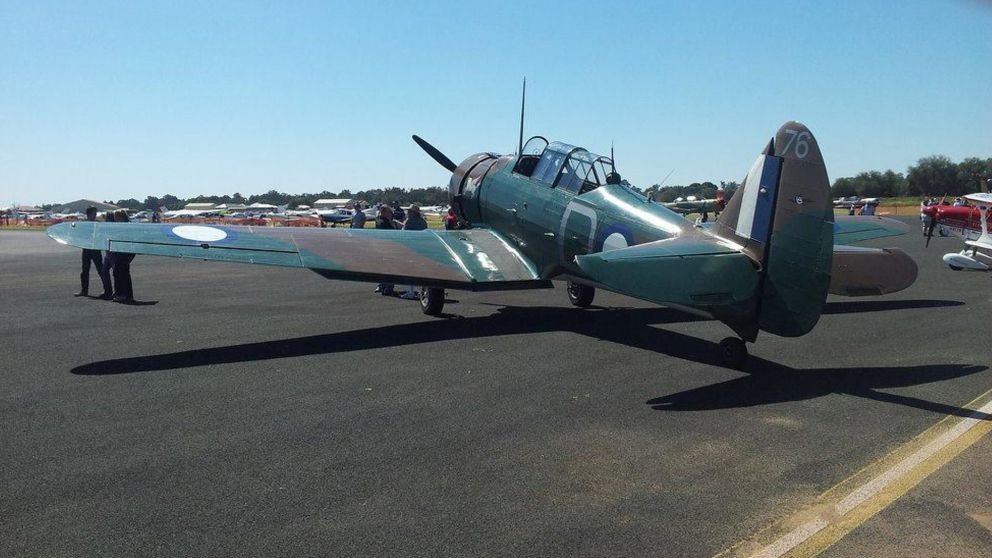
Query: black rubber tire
column 432, row 301
column 580, row 295
column 954, row 267
column 733, row 351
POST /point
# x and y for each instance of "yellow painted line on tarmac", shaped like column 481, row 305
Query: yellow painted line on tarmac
column 848, row 504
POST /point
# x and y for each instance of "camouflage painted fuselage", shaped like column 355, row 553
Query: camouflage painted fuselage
column 767, row 264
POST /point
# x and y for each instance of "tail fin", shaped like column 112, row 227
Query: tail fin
column 783, row 217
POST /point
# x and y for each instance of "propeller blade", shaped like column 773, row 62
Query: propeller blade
column 930, row 228
column 435, row 154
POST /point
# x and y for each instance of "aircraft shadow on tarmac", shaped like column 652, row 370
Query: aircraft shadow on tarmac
column 766, row 382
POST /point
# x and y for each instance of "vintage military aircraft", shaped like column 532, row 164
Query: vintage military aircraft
column 685, row 206
column 556, row 211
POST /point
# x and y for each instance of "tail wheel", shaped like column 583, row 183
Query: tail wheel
column 733, row 351
column 580, row 295
column 432, row 301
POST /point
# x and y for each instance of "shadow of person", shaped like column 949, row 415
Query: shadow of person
column 140, row 302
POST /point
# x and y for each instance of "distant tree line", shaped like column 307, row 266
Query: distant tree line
column 935, row 176
column 434, row 195
column 930, row 176
column 702, row 190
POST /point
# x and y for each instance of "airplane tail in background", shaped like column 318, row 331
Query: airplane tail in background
column 782, row 215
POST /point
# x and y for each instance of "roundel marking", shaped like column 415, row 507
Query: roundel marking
column 199, row 233
column 614, row 237
column 615, row 241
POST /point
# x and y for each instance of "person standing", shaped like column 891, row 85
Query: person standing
column 94, row 257
column 108, row 264
column 398, row 214
column 384, row 220
column 414, row 222
column 122, row 268
column 450, row 220
column 358, row 219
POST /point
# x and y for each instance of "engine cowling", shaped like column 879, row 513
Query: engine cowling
column 467, row 180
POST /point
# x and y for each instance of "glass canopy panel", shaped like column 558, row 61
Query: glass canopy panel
column 535, row 146
column 551, row 162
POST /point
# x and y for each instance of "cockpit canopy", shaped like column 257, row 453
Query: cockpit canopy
column 564, row 166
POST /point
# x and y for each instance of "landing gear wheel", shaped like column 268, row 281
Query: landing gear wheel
column 955, row 268
column 734, row 352
column 432, row 301
column 580, row 295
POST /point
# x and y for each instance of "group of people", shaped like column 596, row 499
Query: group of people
column 398, row 217
column 392, row 218
column 867, row 208
column 958, row 202
column 115, row 265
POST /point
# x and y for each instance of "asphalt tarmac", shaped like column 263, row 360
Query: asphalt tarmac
column 253, row 411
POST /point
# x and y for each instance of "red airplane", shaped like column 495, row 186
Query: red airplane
column 963, row 221
column 970, row 222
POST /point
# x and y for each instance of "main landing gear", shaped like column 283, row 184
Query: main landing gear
column 580, row 295
column 432, row 301
column 733, row 351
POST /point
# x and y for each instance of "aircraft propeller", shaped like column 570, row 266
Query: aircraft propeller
column 435, row 154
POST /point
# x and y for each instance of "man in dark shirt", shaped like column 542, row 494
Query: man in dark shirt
column 108, row 264
column 414, row 222
column 398, row 213
column 94, row 257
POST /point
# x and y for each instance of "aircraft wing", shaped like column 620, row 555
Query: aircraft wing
column 848, row 229
column 477, row 259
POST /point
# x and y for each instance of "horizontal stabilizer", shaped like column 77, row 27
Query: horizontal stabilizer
column 691, row 271
column 859, row 271
column 850, row 229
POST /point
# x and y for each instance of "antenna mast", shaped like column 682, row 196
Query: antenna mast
column 523, row 101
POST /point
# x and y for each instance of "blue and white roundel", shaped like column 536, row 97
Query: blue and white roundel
column 199, row 233
column 616, row 237
column 615, row 241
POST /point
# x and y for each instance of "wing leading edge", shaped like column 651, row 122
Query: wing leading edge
column 476, row 260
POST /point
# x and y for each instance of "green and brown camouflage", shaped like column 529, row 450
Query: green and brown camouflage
column 559, row 212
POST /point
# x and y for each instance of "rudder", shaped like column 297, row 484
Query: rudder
column 782, row 215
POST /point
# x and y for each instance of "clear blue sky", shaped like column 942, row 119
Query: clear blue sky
column 118, row 100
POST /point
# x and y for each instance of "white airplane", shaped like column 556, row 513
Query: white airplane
column 977, row 254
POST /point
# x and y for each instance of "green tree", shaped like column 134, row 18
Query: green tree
column 971, row 171
column 844, row 187
column 934, row 175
